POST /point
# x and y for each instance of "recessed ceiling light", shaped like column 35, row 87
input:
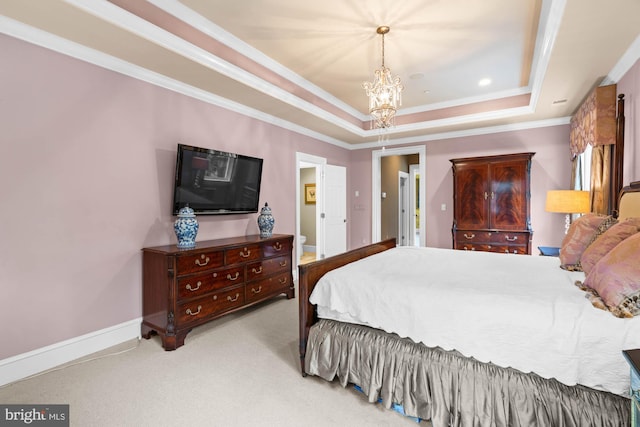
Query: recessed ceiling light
column 416, row 76
column 484, row 82
column 426, row 91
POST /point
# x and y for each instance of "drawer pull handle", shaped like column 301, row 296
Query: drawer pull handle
column 194, row 289
column 467, row 249
column 245, row 253
column 257, row 270
column 283, row 263
column 277, row 246
column 233, row 299
column 283, row 280
column 485, row 195
column 511, row 239
column 202, row 264
column 256, row 291
column 191, row 313
column 234, row 277
column 469, row 237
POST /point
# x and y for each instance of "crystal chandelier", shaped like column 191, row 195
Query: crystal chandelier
column 385, row 93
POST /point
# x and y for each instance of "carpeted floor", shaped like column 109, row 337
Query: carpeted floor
column 240, row 370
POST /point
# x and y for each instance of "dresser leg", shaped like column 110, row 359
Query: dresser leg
column 291, row 293
column 171, row 342
column 146, row 331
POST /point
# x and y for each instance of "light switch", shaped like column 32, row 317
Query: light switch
column 384, row 195
column 357, row 193
column 443, row 207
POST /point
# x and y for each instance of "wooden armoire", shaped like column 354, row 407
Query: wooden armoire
column 491, row 203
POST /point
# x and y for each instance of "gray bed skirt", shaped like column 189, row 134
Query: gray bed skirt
column 449, row 389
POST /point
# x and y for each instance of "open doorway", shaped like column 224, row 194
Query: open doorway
column 379, row 196
column 321, row 208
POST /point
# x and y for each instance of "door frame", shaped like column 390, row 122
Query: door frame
column 404, row 209
column 414, row 172
column 302, row 159
column 376, row 187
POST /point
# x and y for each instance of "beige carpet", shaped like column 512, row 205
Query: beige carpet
column 240, row 370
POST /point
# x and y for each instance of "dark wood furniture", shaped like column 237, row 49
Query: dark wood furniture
column 491, row 203
column 184, row 288
column 308, row 276
column 633, row 358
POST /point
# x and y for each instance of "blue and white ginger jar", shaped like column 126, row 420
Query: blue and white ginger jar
column 186, row 228
column 265, row 221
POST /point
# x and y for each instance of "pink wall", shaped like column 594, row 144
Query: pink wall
column 87, row 159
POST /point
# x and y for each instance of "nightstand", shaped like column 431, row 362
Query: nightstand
column 633, row 358
column 549, row 251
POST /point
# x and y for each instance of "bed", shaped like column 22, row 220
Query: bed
column 573, row 377
column 536, row 352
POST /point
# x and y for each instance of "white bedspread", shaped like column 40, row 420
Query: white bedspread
column 515, row 311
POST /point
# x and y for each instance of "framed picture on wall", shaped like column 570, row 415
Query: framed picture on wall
column 310, row 194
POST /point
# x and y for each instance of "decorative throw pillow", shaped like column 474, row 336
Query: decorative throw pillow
column 616, row 278
column 581, row 233
column 607, row 241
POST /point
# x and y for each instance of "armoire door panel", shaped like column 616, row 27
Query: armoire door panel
column 508, row 196
column 472, row 197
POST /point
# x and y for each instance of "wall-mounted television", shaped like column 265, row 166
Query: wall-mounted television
column 214, row 182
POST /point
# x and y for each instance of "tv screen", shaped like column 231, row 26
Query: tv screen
column 216, row 182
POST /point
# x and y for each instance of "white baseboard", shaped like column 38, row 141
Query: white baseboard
column 33, row 362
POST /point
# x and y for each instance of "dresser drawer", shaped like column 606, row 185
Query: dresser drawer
column 510, row 238
column 242, row 254
column 199, row 262
column 210, row 305
column 263, row 288
column 267, row 267
column 193, row 286
column 275, row 248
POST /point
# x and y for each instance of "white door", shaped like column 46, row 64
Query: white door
column 333, row 214
column 404, row 211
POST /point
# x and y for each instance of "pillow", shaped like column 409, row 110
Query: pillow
column 581, row 233
column 607, row 241
column 616, row 278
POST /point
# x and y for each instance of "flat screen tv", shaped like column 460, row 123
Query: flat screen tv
column 215, row 182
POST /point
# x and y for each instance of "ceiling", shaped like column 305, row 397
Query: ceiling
column 301, row 65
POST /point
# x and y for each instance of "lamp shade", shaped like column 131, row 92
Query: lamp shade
column 568, row 201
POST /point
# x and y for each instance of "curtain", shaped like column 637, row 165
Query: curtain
column 595, row 121
column 601, row 179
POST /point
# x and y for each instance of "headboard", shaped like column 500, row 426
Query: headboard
column 629, row 205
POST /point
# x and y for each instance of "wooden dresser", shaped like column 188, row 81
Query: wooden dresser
column 184, row 288
column 491, row 203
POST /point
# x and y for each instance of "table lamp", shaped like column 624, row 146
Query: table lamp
column 568, row 202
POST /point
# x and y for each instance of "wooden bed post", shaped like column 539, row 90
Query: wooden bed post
column 617, row 158
column 308, row 276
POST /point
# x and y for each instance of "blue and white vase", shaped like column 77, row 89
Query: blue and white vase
column 265, row 221
column 186, row 228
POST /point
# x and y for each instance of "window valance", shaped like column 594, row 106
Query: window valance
column 595, row 121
